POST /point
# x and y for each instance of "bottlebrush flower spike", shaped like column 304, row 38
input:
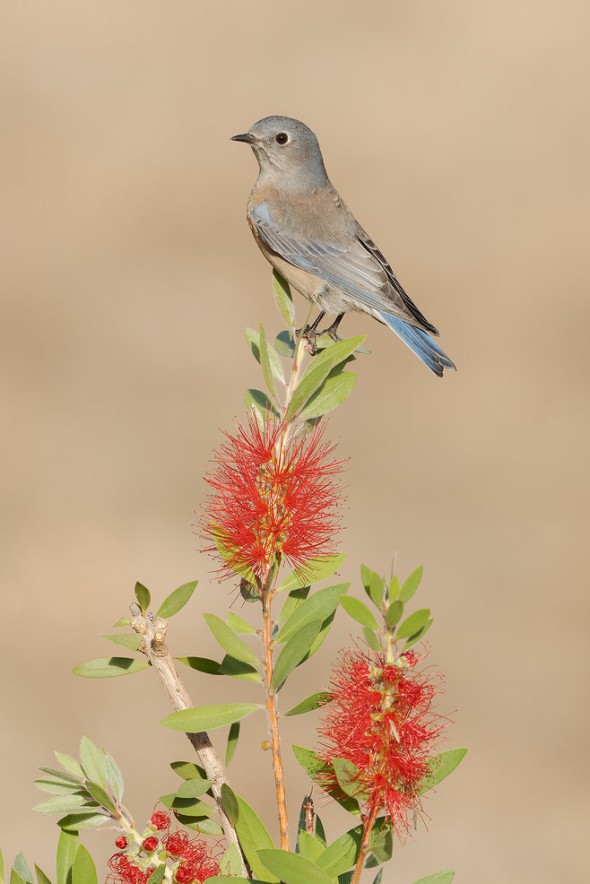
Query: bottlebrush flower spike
column 380, row 719
column 272, row 499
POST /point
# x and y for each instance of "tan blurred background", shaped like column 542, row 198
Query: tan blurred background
column 459, row 134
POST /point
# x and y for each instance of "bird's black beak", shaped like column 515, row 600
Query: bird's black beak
column 245, row 136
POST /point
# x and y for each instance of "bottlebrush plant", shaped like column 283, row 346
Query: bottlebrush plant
column 271, row 521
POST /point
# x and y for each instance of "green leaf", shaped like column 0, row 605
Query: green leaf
column 129, row 640
column 230, row 641
column 230, row 879
column 73, row 822
column 319, row 606
column 332, row 393
column 231, row 861
column 69, row 764
column 309, row 846
column 394, row 613
column 192, row 809
column 393, row 591
column 317, row 372
column 320, row 832
column 157, row 875
column 314, row 571
column 346, row 774
column 378, row 877
column 441, row 766
column 373, row 585
column 193, row 788
column 57, row 787
column 292, row 868
column 236, row 669
column 65, row 778
column 67, row 846
column 188, row 770
column 413, row 623
column 1, row 868
column 83, row 870
column 253, row 835
column 274, row 364
column 62, row 804
column 232, row 742
column 177, row 599
column 260, row 402
column 284, row 299
column 318, row 770
column 92, row 761
column 343, row 853
column 15, row 878
column 201, row 664
column 100, row 795
column 311, row 703
column 293, row 601
column 410, row 585
column 310, row 761
column 437, row 878
column 285, row 344
column 372, row 639
column 123, row 621
column 20, row 865
column 109, row 667
column 143, row 596
column 272, row 369
column 294, row 652
column 114, row 776
column 207, row 718
column 418, row 635
column 230, row 803
column 42, row 878
column 238, row 624
column 381, row 843
column 359, row 612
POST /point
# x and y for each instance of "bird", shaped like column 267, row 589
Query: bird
column 311, row 238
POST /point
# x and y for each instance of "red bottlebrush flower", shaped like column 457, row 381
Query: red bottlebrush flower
column 121, row 842
column 272, row 499
column 380, row 719
column 150, row 844
column 123, row 871
column 198, row 857
column 160, row 820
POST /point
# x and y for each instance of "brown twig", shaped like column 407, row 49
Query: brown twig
column 273, row 723
column 154, row 630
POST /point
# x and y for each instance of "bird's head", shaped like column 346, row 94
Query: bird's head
column 286, row 150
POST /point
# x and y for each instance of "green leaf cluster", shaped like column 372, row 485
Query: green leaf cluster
column 74, row 865
column 88, row 792
column 114, row 667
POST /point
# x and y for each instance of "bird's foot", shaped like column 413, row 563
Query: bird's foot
column 310, row 335
column 332, row 332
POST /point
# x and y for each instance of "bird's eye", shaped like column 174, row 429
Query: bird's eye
column 282, row 138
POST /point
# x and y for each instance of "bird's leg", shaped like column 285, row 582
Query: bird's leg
column 310, row 333
column 332, row 330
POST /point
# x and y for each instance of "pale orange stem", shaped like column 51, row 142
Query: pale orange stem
column 273, row 723
column 367, row 828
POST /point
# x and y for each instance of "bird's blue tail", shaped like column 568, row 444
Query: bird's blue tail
column 420, row 343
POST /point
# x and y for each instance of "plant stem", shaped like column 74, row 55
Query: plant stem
column 367, row 828
column 154, row 631
column 273, row 721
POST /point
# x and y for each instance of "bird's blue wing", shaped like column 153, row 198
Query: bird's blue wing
column 347, row 266
column 359, row 270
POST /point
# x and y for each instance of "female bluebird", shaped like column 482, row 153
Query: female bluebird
column 310, row 236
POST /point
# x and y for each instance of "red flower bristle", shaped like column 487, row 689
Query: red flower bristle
column 381, row 719
column 272, row 499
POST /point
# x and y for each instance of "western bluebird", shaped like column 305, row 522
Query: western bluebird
column 310, row 236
